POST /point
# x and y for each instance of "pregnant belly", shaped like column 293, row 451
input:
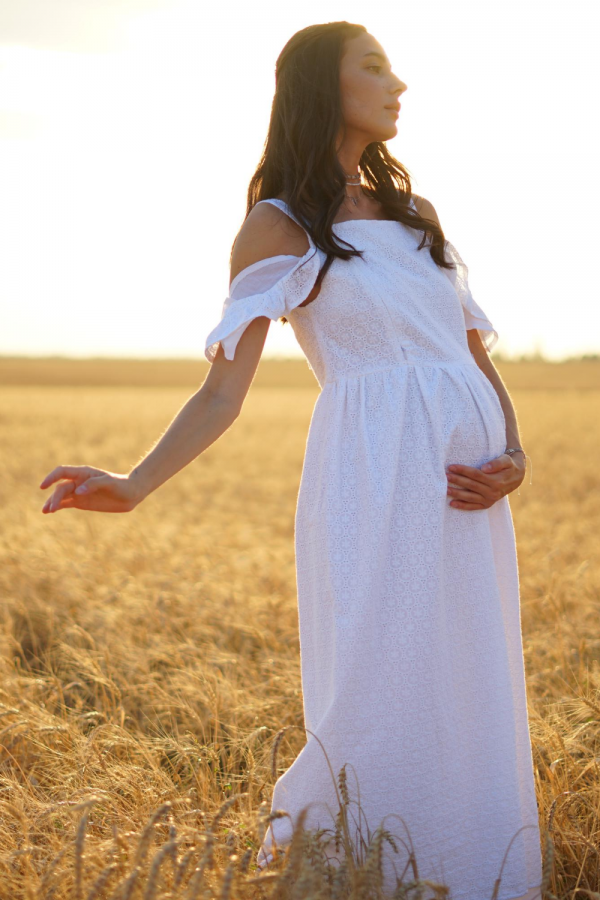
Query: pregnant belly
column 388, row 437
column 474, row 424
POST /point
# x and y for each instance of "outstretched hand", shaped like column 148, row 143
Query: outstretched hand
column 473, row 488
column 83, row 487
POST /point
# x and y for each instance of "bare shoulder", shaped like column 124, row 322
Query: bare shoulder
column 425, row 208
column 267, row 231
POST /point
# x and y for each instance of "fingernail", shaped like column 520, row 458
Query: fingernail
column 82, row 489
column 487, row 467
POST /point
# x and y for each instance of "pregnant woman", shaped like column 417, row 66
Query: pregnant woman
column 408, row 591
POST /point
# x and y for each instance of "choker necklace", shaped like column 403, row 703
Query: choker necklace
column 353, row 180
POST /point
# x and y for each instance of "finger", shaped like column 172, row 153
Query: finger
column 496, row 465
column 461, row 504
column 59, row 472
column 485, row 489
column 463, row 494
column 63, row 490
column 49, row 504
column 92, row 485
column 470, row 472
column 455, row 480
column 46, row 506
column 465, row 471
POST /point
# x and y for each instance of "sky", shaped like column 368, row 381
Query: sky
column 130, row 129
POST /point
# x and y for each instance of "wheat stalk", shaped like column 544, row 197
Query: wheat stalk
column 146, row 835
column 165, row 850
column 79, row 841
column 228, row 879
column 101, row 880
column 181, row 868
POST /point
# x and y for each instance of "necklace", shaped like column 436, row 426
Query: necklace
column 353, row 180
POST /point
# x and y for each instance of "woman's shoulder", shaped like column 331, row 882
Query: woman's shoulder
column 267, row 223
column 267, row 231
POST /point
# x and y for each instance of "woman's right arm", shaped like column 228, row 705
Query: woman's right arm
column 209, row 412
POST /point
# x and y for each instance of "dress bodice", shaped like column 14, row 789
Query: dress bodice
column 394, row 306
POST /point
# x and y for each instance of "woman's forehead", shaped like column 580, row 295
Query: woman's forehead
column 366, row 45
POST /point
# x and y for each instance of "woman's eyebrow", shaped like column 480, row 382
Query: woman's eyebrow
column 375, row 53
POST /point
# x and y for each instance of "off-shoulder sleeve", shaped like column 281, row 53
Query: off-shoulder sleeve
column 473, row 313
column 270, row 287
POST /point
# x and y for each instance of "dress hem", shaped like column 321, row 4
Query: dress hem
column 522, row 896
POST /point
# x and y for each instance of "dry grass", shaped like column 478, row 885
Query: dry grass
column 149, row 661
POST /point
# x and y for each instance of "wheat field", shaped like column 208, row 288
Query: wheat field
column 150, row 661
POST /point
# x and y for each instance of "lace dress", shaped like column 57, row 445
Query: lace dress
column 409, row 619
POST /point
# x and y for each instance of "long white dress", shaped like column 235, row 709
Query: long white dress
column 410, row 635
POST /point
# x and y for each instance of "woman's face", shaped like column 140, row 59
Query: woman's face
column 370, row 90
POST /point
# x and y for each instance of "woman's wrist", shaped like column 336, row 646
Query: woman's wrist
column 139, row 488
column 518, row 456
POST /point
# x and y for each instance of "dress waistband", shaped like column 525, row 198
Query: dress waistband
column 453, row 363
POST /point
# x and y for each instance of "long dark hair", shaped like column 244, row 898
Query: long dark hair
column 299, row 159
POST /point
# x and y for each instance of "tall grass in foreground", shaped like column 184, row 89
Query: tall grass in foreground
column 185, row 864
column 150, row 686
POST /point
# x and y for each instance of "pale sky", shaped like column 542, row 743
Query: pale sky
column 129, row 130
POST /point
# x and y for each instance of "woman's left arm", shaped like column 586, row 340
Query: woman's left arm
column 469, row 487
column 473, row 488
column 484, row 361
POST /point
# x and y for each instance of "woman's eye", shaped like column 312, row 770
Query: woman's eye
column 374, row 67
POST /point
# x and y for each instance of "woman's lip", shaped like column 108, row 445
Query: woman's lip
column 393, row 109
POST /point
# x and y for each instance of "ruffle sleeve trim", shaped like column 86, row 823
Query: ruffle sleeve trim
column 287, row 293
column 474, row 316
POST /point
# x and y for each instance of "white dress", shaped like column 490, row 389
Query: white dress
column 410, row 636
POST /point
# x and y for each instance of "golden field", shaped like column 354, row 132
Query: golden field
column 149, row 660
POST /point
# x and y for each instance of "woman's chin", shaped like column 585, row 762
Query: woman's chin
column 386, row 134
